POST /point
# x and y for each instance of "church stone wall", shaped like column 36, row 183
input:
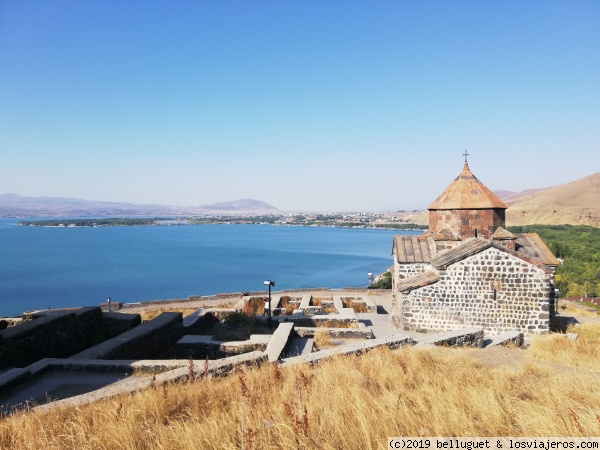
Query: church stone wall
column 402, row 271
column 466, row 222
column 464, row 296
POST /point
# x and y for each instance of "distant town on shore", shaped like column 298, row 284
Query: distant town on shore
column 349, row 220
column 574, row 203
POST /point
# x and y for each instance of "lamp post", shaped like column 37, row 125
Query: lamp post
column 269, row 283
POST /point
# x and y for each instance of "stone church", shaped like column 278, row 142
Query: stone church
column 468, row 270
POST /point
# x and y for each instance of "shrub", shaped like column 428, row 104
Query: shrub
column 237, row 320
column 385, row 282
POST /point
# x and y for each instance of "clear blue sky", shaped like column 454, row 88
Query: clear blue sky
column 307, row 105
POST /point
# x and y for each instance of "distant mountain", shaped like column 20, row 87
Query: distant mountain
column 510, row 195
column 245, row 204
column 574, row 203
column 13, row 205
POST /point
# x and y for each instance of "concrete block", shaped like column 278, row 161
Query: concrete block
column 338, row 304
column 279, row 341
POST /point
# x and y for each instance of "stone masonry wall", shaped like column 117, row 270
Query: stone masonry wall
column 466, row 221
column 145, row 346
column 402, row 271
column 492, row 289
column 57, row 334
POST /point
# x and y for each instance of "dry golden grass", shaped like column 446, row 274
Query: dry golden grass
column 289, row 304
column 322, row 341
column 358, row 307
column 347, row 402
column 224, row 306
column 150, row 314
column 584, row 352
column 317, row 301
column 255, row 305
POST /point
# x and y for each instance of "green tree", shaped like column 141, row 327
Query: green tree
column 385, row 282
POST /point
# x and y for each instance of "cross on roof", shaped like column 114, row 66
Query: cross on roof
column 465, row 154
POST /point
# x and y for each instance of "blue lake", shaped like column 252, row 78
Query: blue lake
column 61, row 267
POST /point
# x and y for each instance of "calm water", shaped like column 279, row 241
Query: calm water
column 58, row 267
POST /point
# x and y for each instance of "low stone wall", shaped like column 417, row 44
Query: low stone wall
column 230, row 295
column 379, row 291
column 362, row 332
column 142, row 342
column 312, row 310
column 202, row 346
column 198, row 321
column 322, row 320
column 53, row 334
column 114, row 323
column 392, row 342
column 291, row 291
column 16, row 377
column 151, row 303
column 113, row 306
column 468, row 337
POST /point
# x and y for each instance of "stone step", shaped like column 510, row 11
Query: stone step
column 516, row 338
column 470, row 337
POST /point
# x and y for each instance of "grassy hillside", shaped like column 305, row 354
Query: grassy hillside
column 579, row 246
column 349, row 402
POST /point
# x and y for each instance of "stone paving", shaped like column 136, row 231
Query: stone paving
column 380, row 324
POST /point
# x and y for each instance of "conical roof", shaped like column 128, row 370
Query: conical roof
column 467, row 192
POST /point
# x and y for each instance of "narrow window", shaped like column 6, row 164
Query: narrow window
column 475, row 232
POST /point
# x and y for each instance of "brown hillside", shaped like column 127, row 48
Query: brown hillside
column 512, row 196
column 575, row 203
